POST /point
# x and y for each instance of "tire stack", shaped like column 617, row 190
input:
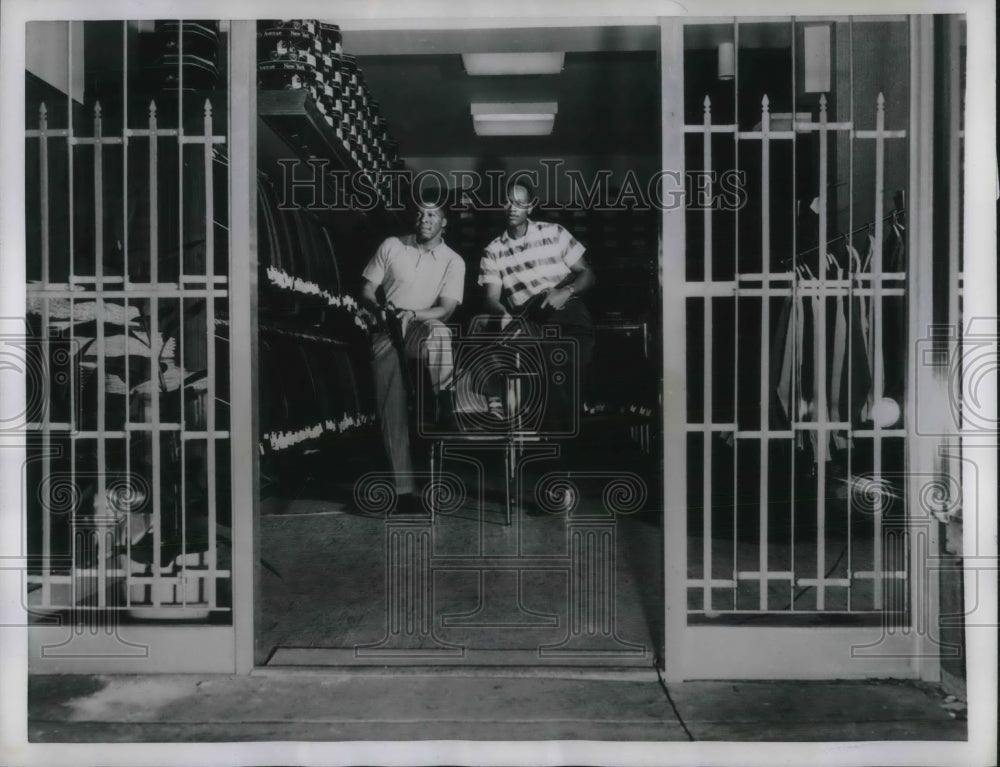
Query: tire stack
column 309, row 55
column 188, row 53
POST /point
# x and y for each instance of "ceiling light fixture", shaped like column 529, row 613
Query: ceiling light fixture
column 513, row 63
column 514, row 119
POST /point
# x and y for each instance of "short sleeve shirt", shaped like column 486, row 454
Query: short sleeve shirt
column 529, row 265
column 414, row 278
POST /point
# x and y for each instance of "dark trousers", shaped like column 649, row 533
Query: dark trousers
column 567, row 378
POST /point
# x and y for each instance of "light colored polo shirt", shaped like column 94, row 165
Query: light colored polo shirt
column 529, row 265
column 414, row 278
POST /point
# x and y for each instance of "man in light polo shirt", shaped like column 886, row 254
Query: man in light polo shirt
column 542, row 266
column 424, row 280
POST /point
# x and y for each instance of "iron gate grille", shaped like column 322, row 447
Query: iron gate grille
column 128, row 278
column 796, row 459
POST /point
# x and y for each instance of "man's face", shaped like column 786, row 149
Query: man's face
column 430, row 223
column 518, row 206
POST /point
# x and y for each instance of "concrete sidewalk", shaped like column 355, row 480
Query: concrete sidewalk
column 468, row 704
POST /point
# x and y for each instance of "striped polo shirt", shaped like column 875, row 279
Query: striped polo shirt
column 529, row 265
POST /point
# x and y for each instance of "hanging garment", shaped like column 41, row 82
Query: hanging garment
column 781, row 364
column 851, row 381
column 798, row 388
column 820, row 442
column 874, row 365
column 860, row 374
column 894, row 320
column 838, row 409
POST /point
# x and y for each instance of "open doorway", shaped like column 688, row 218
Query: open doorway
column 510, row 569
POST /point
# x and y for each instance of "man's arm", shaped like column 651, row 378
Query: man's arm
column 367, row 298
column 492, row 300
column 442, row 310
column 583, row 279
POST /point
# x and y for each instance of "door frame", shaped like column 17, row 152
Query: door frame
column 707, row 652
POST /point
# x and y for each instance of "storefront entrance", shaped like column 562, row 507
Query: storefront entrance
column 759, row 481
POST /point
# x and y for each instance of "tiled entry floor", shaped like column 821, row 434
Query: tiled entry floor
column 499, row 594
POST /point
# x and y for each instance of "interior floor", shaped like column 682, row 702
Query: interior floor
column 498, row 594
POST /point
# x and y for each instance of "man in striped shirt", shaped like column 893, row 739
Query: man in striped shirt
column 537, row 270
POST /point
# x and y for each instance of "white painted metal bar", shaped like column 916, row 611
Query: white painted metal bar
column 154, row 322
column 772, row 135
column 210, row 444
column 707, row 507
column 821, row 126
column 47, row 132
column 831, row 288
column 181, row 271
column 796, row 309
column 167, row 290
column 46, row 355
column 765, row 575
column 875, row 134
column 820, row 348
column 73, row 372
column 822, row 584
column 851, row 272
column 180, row 150
column 202, row 139
column 196, row 573
column 130, row 427
column 100, row 496
column 765, row 341
column 69, row 155
column 98, row 200
column 736, row 308
column 876, row 331
column 154, row 246
column 870, row 574
column 125, row 276
column 126, row 134
column 720, row 128
column 182, row 448
column 43, row 185
column 96, row 140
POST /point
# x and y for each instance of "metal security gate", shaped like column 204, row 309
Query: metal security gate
column 129, row 501
column 804, row 514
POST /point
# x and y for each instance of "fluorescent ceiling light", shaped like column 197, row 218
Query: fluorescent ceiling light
column 513, row 63
column 514, row 119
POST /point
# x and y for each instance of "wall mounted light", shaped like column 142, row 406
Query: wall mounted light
column 727, row 61
column 514, row 119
